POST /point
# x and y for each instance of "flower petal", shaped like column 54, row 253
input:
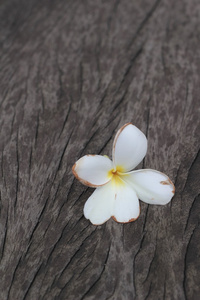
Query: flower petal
column 98, row 207
column 93, row 170
column 126, row 205
column 151, row 186
column 129, row 147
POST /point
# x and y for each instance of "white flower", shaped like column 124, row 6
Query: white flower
column 119, row 188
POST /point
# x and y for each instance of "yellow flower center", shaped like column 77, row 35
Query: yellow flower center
column 115, row 175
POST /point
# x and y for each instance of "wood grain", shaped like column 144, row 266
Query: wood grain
column 72, row 73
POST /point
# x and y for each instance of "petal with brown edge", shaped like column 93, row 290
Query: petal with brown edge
column 98, row 207
column 129, row 147
column 93, row 170
column 151, row 186
column 126, row 206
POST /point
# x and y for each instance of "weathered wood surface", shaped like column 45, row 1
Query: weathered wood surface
column 73, row 72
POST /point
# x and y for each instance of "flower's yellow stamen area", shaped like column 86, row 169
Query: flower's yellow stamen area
column 110, row 173
column 120, row 169
column 114, row 175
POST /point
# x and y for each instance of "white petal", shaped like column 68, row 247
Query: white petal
column 126, row 205
column 98, row 208
column 93, row 170
column 151, row 186
column 129, row 147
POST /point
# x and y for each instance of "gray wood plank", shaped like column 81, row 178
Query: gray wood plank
column 72, row 73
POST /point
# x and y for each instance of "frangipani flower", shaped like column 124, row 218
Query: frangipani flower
column 118, row 189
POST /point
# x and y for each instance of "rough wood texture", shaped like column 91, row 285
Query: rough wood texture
column 73, row 72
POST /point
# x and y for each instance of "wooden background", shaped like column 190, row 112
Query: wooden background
column 73, row 72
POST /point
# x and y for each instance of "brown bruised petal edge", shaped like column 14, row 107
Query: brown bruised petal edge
column 85, row 182
column 168, row 182
column 131, row 220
